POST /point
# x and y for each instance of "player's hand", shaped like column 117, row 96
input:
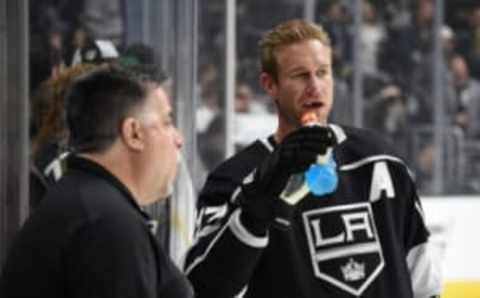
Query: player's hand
column 260, row 196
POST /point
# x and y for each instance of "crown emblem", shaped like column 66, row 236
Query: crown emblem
column 353, row 271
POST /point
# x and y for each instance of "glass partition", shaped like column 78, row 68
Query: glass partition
column 155, row 37
column 400, row 70
column 407, row 69
column 210, row 115
column 251, row 104
column 13, row 120
column 233, row 108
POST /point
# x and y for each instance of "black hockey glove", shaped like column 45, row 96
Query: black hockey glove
column 260, row 196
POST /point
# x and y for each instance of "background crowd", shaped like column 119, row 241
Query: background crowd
column 395, row 50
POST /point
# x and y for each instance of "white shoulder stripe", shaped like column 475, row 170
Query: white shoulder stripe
column 242, row 292
column 339, row 132
column 239, row 231
column 202, row 257
column 267, row 144
column 243, row 234
column 370, row 159
column 420, row 210
column 235, row 194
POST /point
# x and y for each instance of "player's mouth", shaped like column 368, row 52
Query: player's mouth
column 312, row 104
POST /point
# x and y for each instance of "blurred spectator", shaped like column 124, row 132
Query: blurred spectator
column 139, row 53
column 372, row 35
column 421, row 102
column 46, row 55
column 243, row 99
column 469, row 42
column 50, row 24
column 208, row 108
column 209, row 101
column 49, row 146
column 336, row 22
column 210, row 127
column 211, row 142
column 55, row 43
column 104, row 19
column 384, row 104
column 97, row 52
column 79, row 40
column 246, row 102
column 342, row 111
column 467, row 97
column 252, row 118
column 408, row 43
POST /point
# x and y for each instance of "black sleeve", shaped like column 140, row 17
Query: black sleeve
column 423, row 263
column 225, row 253
column 108, row 258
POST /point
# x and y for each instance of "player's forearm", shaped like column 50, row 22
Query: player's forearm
column 224, row 268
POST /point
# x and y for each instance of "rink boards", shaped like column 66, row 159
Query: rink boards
column 454, row 223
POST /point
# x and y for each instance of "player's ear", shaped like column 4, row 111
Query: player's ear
column 132, row 134
column 269, row 84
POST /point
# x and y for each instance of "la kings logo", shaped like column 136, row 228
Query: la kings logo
column 344, row 246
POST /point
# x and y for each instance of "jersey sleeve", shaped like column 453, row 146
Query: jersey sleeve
column 422, row 262
column 224, row 254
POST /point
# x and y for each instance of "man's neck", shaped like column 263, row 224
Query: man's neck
column 119, row 168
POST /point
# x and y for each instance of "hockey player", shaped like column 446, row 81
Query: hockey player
column 362, row 234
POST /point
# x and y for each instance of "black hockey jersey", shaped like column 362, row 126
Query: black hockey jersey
column 46, row 168
column 367, row 239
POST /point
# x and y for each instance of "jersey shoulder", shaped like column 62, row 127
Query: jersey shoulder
column 360, row 143
column 225, row 178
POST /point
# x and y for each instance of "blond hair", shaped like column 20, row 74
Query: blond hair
column 285, row 34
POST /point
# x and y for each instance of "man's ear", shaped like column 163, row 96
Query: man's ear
column 269, row 84
column 132, row 134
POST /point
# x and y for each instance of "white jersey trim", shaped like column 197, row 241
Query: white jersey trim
column 267, row 144
column 370, row 159
column 242, row 292
column 239, row 231
column 339, row 132
column 243, row 234
column 424, row 271
column 55, row 166
column 202, row 257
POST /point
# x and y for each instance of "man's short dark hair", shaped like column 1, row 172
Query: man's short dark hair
column 97, row 104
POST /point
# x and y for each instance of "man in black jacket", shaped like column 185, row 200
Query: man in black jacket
column 90, row 237
column 315, row 210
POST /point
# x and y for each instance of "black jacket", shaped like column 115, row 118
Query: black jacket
column 89, row 238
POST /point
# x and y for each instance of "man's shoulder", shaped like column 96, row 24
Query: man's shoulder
column 361, row 143
column 244, row 161
column 226, row 177
column 88, row 196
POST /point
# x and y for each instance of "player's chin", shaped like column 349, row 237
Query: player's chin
column 165, row 193
column 324, row 112
column 321, row 113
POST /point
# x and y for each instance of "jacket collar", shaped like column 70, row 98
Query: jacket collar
column 75, row 162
